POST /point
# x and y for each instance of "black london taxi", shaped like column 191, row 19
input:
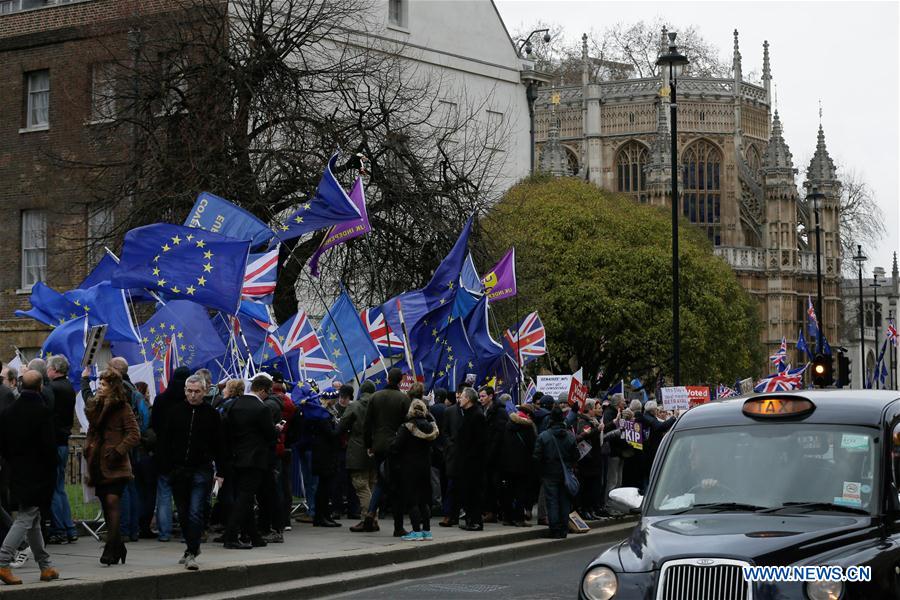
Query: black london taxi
column 791, row 480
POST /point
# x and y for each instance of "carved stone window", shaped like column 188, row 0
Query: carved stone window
column 701, row 163
column 630, row 161
column 753, row 160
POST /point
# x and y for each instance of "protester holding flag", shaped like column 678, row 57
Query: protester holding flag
column 112, row 433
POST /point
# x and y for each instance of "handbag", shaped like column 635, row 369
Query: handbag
column 572, row 485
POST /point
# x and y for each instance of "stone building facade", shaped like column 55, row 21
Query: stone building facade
column 737, row 179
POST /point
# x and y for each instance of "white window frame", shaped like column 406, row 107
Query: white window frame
column 101, row 222
column 34, row 243
column 32, row 92
column 10, row 6
column 103, row 92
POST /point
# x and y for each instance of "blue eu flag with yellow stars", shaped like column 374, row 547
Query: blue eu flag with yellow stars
column 184, row 263
column 329, row 206
column 345, row 339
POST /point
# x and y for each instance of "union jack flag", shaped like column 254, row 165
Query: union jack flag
column 530, row 391
column 779, row 359
column 168, row 364
column 723, row 391
column 529, row 339
column 260, row 276
column 387, row 341
column 811, row 313
column 891, row 332
column 789, row 379
column 296, row 339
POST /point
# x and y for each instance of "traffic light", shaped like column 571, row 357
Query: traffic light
column 844, row 370
column 823, row 371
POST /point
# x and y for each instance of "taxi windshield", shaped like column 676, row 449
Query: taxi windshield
column 769, row 467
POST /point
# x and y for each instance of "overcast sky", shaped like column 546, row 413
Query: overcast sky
column 845, row 53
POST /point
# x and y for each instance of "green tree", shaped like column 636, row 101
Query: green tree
column 597, row 266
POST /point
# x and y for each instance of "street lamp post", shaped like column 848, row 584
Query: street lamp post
column 892, row 355
column 876, row 322
column 817, row 199
column 676, row 63
column 531, row 87
column 859, row 258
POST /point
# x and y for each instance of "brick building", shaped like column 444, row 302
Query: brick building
column 56, row 106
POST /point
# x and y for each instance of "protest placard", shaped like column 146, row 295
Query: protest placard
column 683, row 397
column 634, row 434
column 553, row 385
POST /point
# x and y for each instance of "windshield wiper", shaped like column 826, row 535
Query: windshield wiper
column 827, row 506
column 721, row 506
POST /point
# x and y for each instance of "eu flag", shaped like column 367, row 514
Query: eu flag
column 212, row 213
column 103, row 273
column 330, row 205
column 184, row 263
column 196, row 339
column 345, row 339
column 485, row 349
column 68, row 340
column 49, row 306
column 448, row 362
column 106, row 305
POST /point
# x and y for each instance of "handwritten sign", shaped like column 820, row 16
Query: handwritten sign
column 684, row 397
column 553, row 385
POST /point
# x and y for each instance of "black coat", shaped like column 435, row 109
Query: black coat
column 251, row 435
column 411, row 449
column 192, row 437
column 518, row 445
column 656, row 429
column 450, row 425
column 173, row 396
column 326, row 446
column 586, row 431
column 28, row 446
column 496, row 418
column 546, row 455
column 471, row 443
column 63, row 409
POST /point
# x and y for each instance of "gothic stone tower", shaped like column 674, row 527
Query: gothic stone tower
column 736, row 176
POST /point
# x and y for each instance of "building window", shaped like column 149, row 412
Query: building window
column 873, row 314
column 103, row 90
column 174, row 85
column 38, row 102
column 100, row 228
column 34, row 247
column 631, row 178
column 10, row 6
column 701, row 164
column 397, row 13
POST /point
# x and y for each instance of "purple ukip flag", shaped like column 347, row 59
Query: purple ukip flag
column 500, row 282
column 338, row 234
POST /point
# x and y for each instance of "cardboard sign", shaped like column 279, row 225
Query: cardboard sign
column 683, row 397
column 408, row 380
column 554, row 385
column 92, row 344
column 634, row 434
column 583, row 449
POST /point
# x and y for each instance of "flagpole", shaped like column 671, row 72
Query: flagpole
column 406, row 347
column 518, row 345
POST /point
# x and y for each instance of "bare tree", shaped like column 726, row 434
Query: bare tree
column 623, row 51
column 862, row 220
column 249, row 99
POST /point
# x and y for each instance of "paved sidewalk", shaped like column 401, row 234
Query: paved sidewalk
column 152, row 570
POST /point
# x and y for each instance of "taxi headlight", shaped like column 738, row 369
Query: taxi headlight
column 824, row 590
column 599, row 583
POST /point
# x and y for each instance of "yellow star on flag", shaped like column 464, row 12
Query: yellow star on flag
column 73, row 316
column 189, row 237
column 298, row 219
column 332, row 337
column 307, row 206
column 183, row 347
column 162, row 324
column 87, row 308
column 180, row 335
column 156, row 258
column 144, row 340
column 336, row 353
column 176, row 240
column 207, row 268
column 190, row 290
column 166, row 247
column 77, row 302
column 201, row 244
column 153, row 330
column 284, row 227
column 176, row 289
column 171, row 328
column 156, row 271
column 201, row 280
column 208, row 255
column 161, row 282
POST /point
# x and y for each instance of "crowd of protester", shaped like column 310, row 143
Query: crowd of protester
column 231, row 459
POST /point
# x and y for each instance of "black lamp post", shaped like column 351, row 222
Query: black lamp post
column 892, row 355
column 676, row 63
column 816, row 198
column 875, row 321
column 531, row 86
column 859, row 258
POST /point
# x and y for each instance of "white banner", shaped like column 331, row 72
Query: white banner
column 554, row 385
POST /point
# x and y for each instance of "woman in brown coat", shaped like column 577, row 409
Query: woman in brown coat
column 112, row 433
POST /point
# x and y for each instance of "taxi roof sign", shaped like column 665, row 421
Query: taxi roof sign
column 775, row 407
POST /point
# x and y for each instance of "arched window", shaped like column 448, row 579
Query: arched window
column 630, row 161
column 753, row 160
column 701, row 165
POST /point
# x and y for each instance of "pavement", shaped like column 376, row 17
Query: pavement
column 312, row 563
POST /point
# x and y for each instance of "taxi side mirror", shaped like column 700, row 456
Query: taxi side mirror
column 627, row 498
